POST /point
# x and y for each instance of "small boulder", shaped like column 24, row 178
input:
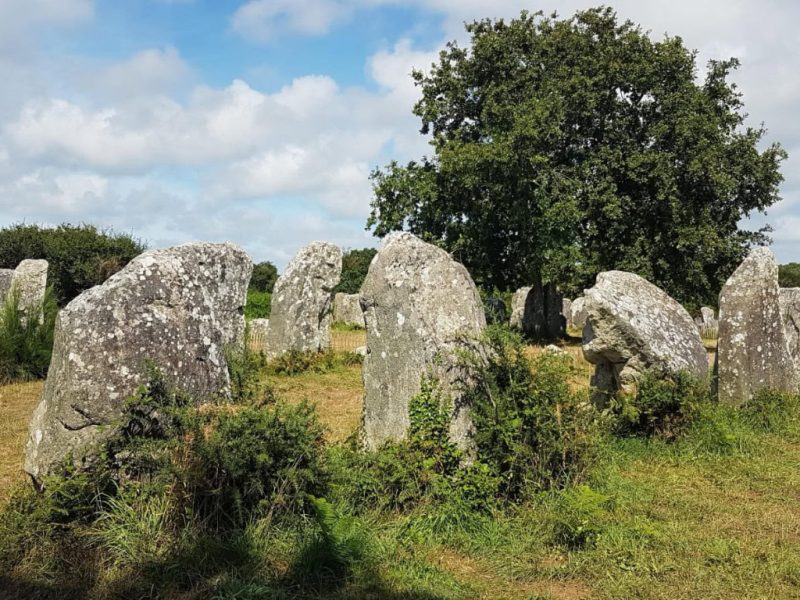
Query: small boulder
column 752, row 348
column 421, row 308
column 347, row 309
column 177, row 308
column 632, row 327
column 302, row 301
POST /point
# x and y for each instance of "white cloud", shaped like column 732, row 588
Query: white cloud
column 263, row 20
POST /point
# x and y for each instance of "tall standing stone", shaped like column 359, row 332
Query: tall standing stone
column 177, row 308
column 347, row 309
column 302, row 301
column 752, row 349
column 6, row 276
column 790, row 312
column 518, row 302
column 633, row 327
column 421, row 308
column 537, row 312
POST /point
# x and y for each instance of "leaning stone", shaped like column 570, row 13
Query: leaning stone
column 632, row 327
column 790, row 311
column 421, row 308
column 752, row 349
column 302, row 301
column 177, row 309
column 347, row 309
column 30, row 282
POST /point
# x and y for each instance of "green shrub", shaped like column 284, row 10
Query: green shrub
column 244, row 369
column 79, row 256
column 355, row 264
column 662, row 406
column 773, row 411
column 264, row 277
column 295, row 362
column 533, row 430
column 26, row 345
column 259, row 304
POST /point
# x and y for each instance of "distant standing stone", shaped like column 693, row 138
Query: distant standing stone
column 790, row 311
column 578, row 312
column 302, row 301
column 30, row 282
column 6, row 275
column 633, row 326
column 537, row 312
column 177, row 308
column 518, row 307
column 347, row 309
column 421, row 308
column 752, row 348
column 566, row 312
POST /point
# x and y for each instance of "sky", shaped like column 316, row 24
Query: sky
column 259, row 121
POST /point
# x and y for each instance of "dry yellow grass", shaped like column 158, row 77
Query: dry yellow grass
column 17, row 402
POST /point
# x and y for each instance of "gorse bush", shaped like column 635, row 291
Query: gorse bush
column 533, row 430
column 661, row 406
column 26, row 344
column 79, row 256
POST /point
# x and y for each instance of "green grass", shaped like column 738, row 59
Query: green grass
column 713, row 514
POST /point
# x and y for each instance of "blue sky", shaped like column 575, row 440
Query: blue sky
column 258, row 121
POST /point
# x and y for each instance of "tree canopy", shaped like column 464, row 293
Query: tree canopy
column 79, row 256
column 355, row 264
column 265, row 274
column 566, row 147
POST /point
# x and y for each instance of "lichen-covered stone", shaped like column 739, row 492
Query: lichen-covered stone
column 6, row 275
column 421, row 308
column 633, row 326
column 578, row 313
column 790, row 312
column 566, row 312
column 30, row 283
column 752, row 349
column 177, row 309
column 347, row 309
column 302, row 301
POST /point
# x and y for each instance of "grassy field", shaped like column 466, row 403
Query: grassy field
column 715, row 515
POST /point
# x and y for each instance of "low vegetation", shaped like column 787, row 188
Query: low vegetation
column 663, row 495
column 26, row 344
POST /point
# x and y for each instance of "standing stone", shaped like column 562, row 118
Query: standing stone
column 30, row 282
column 518, row 302
column 707, row 315
column 421, row 308
column 707, row 323
column 6, row 275
column 347, row 309
column 752, row 349
column 790, row 311
column 302, row 301
column 177, row 308
column 578, row 313
column 633, row 326
column 566, row 312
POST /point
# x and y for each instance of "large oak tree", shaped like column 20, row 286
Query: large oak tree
column 566, row 147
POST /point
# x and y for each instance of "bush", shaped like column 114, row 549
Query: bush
column 295, row 362
column 532, row 430
column 662, row 406
column 264, row 277
column 259, row 304
column 79, row 256
column 26, row 345
column 355, row 264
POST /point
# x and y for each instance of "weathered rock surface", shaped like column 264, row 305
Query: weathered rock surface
column 566, row 312
column 30, row 282
column 302, row 301
column 790, row 312
column 633, row 326
column 708, row 315
column 347, row 309
column 177, row 308
column 578, row 313
column 6, row 275
column 752, row 349
column 518, row 302
column 421, row 308
column 537, row 312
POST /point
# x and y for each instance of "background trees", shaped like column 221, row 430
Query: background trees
column 561, row 148
column 355, row 264
column 79, row 256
